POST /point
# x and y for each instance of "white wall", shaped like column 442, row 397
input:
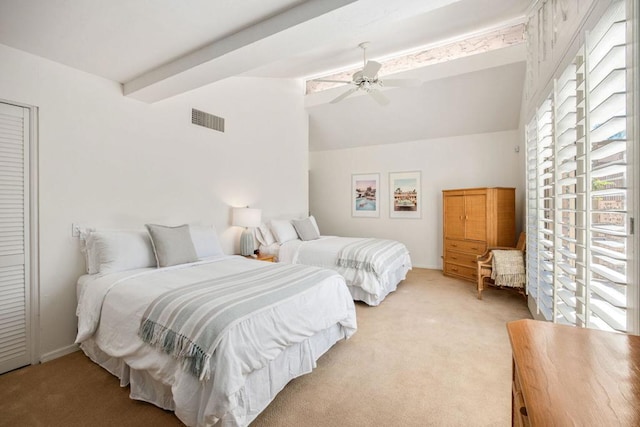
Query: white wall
column 110, row 161
column 481, row 160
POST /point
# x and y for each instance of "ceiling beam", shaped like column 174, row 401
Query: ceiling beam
column 297, row 30
column 175, row 77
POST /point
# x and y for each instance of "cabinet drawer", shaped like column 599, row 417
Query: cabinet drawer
column 519, row 410
column 468, row 273
column 476, row 248
column 465, row 259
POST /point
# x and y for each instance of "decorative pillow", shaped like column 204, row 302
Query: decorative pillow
column 110, row 251
column 315, row 224
column 205, row 241
column 283, row 230
column 305, row 229
column 172, row 245
column 264, row 235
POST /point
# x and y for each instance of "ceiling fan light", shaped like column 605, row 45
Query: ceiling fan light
column 367, row 80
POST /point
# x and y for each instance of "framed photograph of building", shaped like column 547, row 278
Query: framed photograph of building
column 405, row 196
column 365, row 201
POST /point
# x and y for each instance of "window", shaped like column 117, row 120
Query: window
column 578, row 210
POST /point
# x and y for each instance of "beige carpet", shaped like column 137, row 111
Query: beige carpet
column 430, row 354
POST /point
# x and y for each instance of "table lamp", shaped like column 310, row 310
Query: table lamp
column 247, row 218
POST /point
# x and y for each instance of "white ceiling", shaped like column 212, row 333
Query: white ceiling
column 483, row 101
column 162, row 48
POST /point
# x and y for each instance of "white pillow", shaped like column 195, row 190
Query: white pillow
column 315, row 224
column 258, row 235
column 110, row 251
column 283, row 230
column 205, row 240
column 264, row 235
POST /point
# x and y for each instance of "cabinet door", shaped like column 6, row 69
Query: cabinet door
column 475, row 211
column 454, row 217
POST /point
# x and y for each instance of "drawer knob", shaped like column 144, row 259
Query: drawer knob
column 454, row 269
column 454, row 245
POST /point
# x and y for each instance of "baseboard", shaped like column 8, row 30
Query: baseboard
column 59, row 353
column 428, row 267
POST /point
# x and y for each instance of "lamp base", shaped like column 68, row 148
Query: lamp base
column 247, row 245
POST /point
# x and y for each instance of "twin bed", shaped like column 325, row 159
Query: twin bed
column 372, row 268
column 368, row 281
column 211, row 337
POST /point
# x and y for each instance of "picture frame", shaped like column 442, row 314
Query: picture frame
column 405, row 195
column 365, row 195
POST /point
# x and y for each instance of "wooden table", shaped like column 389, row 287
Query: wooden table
column 566, row 376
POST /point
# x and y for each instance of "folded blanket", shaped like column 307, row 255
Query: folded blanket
column 508, row 268
column 188, row 323
column 374, row 255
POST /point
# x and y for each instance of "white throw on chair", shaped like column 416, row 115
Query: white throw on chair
column 504, row 266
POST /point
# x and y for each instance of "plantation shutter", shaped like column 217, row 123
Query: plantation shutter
column 608, row 241
column 14, row 238
column 569, row 195
column 545, row 223
column 579, row 243
column 532, row 209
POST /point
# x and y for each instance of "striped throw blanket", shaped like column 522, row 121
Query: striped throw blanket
column 188, row 323
column 374, row 255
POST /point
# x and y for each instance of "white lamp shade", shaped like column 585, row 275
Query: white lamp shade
column 246, row 217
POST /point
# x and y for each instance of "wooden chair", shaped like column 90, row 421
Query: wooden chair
column 485, row 261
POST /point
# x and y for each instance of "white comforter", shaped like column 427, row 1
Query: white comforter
column 324, row 252
column 110, row 308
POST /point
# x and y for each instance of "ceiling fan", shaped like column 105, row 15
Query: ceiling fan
column 367, row 80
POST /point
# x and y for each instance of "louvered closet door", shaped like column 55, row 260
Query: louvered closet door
column 14, row 238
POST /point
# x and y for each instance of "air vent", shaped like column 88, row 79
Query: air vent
column 207, row 120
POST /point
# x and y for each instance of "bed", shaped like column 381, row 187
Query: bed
column 372, row 268
column 283, row 320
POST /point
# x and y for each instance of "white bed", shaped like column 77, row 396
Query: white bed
column 364, row 285
column 255, row 358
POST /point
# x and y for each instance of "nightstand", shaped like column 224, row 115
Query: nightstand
column 267, row 258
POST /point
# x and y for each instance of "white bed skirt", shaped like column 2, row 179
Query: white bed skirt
column 389, row 283
column 260, row 388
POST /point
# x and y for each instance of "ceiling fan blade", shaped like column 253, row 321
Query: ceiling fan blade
column 343, row 96
column 370, row 69
column 379, row 97
column 400, row 82
column 331, row 81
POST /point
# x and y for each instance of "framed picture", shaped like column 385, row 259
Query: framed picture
column 365, row 201
column 405, row 196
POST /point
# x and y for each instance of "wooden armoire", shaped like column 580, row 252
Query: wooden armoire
column 475, row 219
